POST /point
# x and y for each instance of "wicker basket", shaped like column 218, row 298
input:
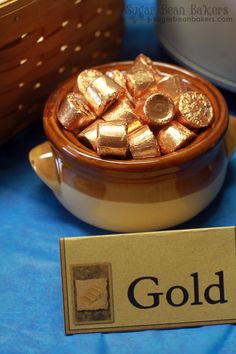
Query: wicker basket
column 44, row 41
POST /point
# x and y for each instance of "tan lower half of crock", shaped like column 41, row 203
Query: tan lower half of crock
column 134, row 216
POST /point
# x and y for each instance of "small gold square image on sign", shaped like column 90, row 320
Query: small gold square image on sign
column 91, row 289
column 91, row 294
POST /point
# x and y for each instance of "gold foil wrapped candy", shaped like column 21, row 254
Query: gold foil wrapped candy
column 118, row 77
column 74, row 114
column 141, row 77
column 145, row 62
column 99, row 90
column 86, row 77
column 89, row 135
column 157, row 109
column 142, row 59
column 139, row 113
column 172, row 86
column 143, row 144
column 123, row 110
column 195, row 110
column 112, row 139
column 173, row 137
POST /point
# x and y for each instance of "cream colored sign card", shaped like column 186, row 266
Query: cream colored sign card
column 149, row 280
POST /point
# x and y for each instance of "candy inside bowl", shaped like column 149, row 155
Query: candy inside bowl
column 135, row 179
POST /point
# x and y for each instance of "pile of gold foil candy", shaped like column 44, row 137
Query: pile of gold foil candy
column 140, row 113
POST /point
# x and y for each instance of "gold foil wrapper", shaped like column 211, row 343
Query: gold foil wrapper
column 171, row 86
column 144, row 61
column 139, row 82
column 134, row 124
column 118, row 77
column 123, row 110
column 101, row 93
column 143, row 144
column 157, row 109
column 173, row 137
column 112, row 139
column 140, row 111
column 89, row 135
column 195, row 110
column 85, row 78
column 74, row 114
column 141, row 77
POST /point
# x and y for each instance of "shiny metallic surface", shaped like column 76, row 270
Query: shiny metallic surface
column 74, row 114
column 88, row 136
column 138, row 82
column 143, row 144
column 123, row 109
column 112, row 139
column 145, row 62
column 195, row 110
column 173, row 137
column 158, row 109
column 172, row 86
column 141, row 76
column 142, row 62
column 118, row 77
column 86, row 77
column 134, row 124
column 139, row 110
column 101, row 93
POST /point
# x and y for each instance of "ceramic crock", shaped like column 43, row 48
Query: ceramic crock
column 134, row 195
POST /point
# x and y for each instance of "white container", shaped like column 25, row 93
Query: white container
column 202, row 36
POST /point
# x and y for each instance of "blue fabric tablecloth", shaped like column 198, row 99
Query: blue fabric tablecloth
column 31, row 313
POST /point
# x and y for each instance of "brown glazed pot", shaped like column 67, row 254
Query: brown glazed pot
column 135, row 195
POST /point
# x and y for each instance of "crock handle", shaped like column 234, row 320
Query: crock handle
column 43, row 162
column 230, row 138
